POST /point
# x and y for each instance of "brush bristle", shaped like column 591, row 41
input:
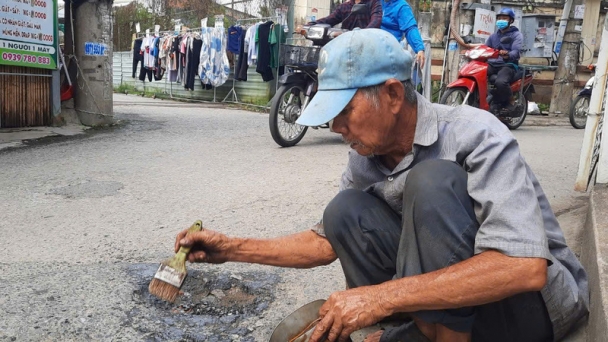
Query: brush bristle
column 162, row 290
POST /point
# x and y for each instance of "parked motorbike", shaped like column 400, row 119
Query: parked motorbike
column 299, row 83
column 473, row 86
column 580, row 106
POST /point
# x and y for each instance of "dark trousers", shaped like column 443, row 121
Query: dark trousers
column 194, row 58
column 137, row 59
column 240, row 71
column 502, row 93
column 143, row 72
column 438, row 228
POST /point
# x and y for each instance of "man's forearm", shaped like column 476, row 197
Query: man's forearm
column 301, row 250
column 485, row 278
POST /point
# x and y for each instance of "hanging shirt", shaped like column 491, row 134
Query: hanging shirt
column 234, row 37
column 252, row 51
column 398, row 20
column 147, row 48
column 277, row 36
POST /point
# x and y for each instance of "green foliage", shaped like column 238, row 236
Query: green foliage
column 435, row 93
column 126, row 89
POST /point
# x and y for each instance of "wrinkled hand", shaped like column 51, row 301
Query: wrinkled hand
column 206, row 246
column 504, row 53
column 348, row 311
column 420, row 59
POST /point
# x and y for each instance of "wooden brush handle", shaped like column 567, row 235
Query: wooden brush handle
column 196, row 227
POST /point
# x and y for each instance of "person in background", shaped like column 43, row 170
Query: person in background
column 371, row 19
column 505, row 66
column 398, row 20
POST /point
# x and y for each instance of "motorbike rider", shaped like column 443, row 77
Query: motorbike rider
column 506, row 65
column 371, row 19
column 398, row 20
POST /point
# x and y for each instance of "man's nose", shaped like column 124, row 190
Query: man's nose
column 336, row 126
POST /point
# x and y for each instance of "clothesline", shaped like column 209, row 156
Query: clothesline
column 276, row 17
column 172, row 32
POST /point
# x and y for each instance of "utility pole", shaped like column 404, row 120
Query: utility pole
column 590, row 150
column 565, row 75
column 453, row 47
column 93, row 51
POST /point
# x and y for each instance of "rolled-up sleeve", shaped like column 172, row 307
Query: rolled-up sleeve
column 506, row 204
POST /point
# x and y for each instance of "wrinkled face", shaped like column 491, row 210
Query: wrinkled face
column 363, row 126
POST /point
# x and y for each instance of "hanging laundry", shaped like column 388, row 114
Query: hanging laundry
column 158, row 71
column 182, row 58
column 138, row 58
column 277, row 37
column 174, row 59
column 194, row 58
column 234, row 38
column 240, row 70
column 213, row 68
column 263, row 64
column 252, row 51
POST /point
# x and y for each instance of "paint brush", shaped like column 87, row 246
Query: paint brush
column 171, row 273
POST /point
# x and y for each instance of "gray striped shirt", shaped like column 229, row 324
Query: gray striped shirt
column 514, row 214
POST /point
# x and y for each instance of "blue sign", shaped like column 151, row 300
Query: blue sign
column 558, row 47
column 95, row 49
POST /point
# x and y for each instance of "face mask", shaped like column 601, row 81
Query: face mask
column 502, row 24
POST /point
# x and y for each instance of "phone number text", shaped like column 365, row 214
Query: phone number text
column 25, row 58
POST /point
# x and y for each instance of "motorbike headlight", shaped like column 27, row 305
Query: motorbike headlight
column 315, row 33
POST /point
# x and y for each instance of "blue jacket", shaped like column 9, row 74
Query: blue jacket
column 398, row 20
column 514, row 47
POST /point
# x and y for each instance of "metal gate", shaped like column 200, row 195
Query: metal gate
column 25, row 97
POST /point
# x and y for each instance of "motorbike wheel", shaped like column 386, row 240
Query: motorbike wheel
column 286, row 108
column 579, row 110
column 455, row 97
column 514, row 123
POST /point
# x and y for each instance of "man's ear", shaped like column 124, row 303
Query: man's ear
column 394, row 92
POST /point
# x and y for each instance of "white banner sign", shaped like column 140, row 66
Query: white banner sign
column 485, row 23
column 28, row 31
column 30, row 21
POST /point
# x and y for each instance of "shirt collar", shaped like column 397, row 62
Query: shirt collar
column 426, row 123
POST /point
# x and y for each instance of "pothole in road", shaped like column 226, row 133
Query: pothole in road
column 88, row 189
column 213, row 307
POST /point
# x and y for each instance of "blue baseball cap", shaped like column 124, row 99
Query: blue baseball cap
column 356, row 59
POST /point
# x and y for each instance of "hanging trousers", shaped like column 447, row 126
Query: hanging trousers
column 240, row 71
column 143, row 72
column 194, row 58
column 138, row 58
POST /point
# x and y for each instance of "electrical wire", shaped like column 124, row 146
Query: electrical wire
column 581, row 53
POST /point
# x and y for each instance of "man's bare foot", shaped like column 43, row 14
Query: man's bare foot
column 375, row 337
